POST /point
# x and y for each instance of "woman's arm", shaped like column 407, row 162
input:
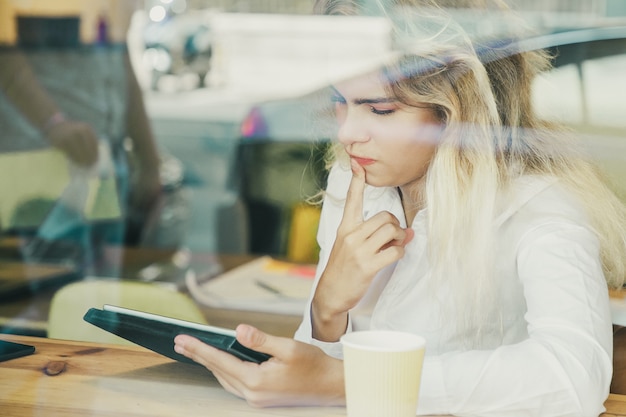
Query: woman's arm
column 361, row 249
column 21, row 87
column 564, row 367
column 19, row 83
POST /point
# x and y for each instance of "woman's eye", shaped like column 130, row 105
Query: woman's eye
column 381, row 112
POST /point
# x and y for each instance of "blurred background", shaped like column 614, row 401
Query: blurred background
column 229, row 88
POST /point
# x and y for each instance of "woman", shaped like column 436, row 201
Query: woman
column 453, row 213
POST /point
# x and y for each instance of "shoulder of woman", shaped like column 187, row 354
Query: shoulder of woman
column 539, row 196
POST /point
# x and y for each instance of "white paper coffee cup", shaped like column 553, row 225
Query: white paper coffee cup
column 382, row 373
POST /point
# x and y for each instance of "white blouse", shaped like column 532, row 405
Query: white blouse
column 550, row 351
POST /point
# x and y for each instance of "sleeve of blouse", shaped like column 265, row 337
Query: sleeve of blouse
column 564, row 368
column 332, row 212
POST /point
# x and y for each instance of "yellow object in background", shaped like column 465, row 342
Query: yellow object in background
column 32, row 182
column 72, row 301
column 302, row 243
column 39, row 176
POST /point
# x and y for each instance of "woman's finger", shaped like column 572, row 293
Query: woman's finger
column 225, row 381
column 211, row 358
column 353, row 210
column 255, row 339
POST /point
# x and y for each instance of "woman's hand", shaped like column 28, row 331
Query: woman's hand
column 298, row 374
column 77, row 140
column 361, row 249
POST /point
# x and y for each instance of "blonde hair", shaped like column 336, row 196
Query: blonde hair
column 491, row 137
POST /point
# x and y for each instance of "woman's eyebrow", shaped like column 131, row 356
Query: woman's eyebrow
column 377, row 100
column 374, row 100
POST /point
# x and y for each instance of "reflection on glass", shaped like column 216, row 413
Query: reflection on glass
column 166, row 142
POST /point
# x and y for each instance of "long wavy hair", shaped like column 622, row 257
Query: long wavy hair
column 481, row 89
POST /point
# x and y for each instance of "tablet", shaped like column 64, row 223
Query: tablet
column 12, row 350
column 157, row 332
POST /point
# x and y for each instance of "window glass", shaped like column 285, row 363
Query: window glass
column 165, row 141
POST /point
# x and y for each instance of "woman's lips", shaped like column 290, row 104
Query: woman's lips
column 362, row 161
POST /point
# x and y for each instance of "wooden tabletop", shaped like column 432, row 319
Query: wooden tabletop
column 615, row 406
column 86, row 379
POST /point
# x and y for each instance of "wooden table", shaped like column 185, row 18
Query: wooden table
column 86, row 379
column 615, row 406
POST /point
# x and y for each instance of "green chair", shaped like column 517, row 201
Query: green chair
column 71, row 302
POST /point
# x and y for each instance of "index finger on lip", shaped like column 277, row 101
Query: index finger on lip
column 353, row 210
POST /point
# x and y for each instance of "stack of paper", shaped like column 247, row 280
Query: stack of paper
column 265, row 285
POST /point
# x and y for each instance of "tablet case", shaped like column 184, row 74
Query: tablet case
column 159, row 336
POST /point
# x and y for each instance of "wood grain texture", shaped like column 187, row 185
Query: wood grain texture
column 85, row 379
column 73, row 379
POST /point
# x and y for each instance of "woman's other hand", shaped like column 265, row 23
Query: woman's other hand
column 362, row 248
column 298, row 374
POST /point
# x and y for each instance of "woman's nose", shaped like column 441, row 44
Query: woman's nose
column 351, row 130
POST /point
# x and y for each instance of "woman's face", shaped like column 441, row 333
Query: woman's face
column 393, row 142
